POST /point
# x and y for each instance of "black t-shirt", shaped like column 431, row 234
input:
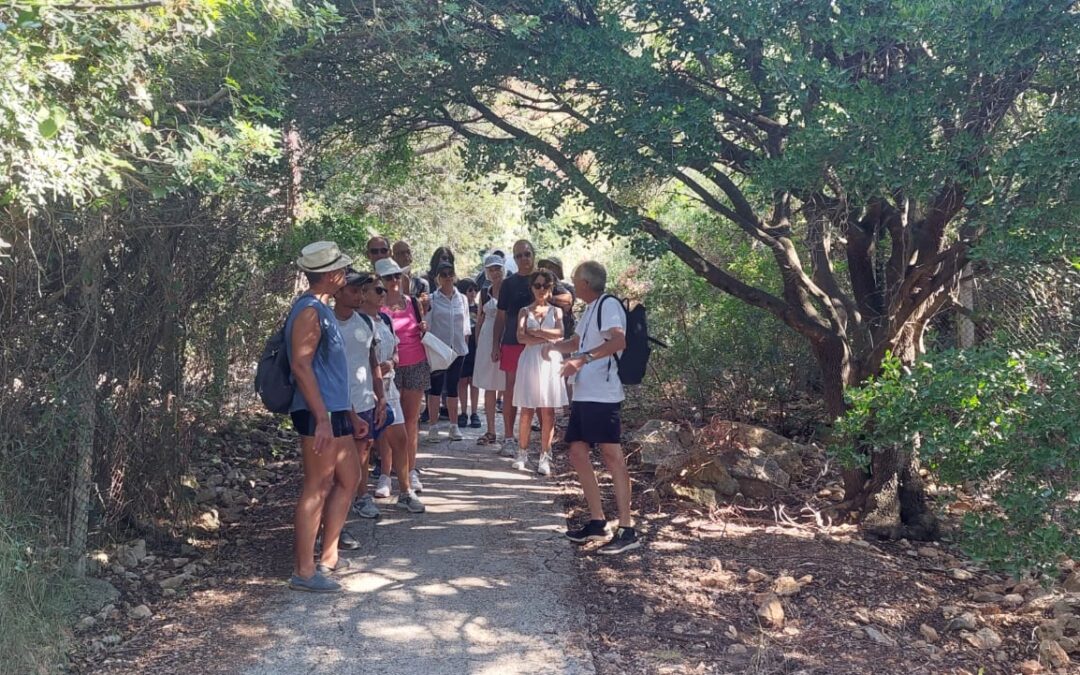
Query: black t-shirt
column 514, row 294
column 569, row 322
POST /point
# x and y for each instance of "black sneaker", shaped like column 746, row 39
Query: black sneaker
column 595, row 530
column 424, row 417
column 462, row 421
column 474, row 421
column 444, row 414
column 625, row 539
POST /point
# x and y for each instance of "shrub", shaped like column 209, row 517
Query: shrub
column 1002, row 423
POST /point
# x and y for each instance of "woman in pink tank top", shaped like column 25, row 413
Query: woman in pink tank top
column 413, row 375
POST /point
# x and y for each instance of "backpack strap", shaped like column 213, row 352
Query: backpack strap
column 416, row 308
column 388, row 321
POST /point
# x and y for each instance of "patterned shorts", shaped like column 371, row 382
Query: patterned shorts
column 416, row 377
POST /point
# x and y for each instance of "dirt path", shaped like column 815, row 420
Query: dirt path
column 479, row 584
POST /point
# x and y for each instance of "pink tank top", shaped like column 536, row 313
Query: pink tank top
column 410, row 348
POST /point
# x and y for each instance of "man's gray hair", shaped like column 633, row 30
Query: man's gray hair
column 593, row 274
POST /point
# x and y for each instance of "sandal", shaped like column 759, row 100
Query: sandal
column 487, row 439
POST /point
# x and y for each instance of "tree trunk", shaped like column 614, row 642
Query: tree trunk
column 889, row 497
column 84, row 387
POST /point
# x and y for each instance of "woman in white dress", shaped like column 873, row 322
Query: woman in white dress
column 539, row 383
column 486, row 373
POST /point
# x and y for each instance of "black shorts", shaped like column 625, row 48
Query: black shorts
column 592, row 423
column 304, row 423
column 445, row 381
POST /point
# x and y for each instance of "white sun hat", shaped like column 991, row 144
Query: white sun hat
column 386, row 267
column 322, row 256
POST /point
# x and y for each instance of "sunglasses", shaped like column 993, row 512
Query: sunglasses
column 378, row 251
column 379, row 290
column 395, row 276
column 541, row 287
column 523, row 254
column 446, row 275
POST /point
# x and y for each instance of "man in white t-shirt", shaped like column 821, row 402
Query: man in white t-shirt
column 595, row 418
column 365, row 376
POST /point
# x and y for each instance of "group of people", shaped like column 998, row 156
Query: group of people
column 356, row 346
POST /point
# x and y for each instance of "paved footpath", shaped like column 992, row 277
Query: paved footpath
column 481, row 583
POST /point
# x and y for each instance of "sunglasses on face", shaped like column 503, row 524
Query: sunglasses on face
column 446, row 275
column 378, row 251
column 395, row 276
column 379, row 290
column 522, row 254
column 541, row 287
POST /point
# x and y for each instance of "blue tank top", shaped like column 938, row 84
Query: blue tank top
column 329, row 363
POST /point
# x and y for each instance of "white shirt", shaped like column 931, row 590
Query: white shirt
column 449, row 319
column 599, row 381
column 385, row 344
column 357, row 333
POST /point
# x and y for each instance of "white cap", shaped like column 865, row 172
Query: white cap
column 494, row 260
column 386, row 267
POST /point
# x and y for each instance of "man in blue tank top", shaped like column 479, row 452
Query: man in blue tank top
column 323, row 416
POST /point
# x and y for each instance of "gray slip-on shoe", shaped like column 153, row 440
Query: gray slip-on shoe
column 316, row 584
column 325, row 570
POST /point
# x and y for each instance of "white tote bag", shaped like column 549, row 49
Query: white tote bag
column 439, row 354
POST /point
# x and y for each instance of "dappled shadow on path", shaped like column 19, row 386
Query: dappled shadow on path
column 481, row 583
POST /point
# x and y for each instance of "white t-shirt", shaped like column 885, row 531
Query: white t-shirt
column 599, row 381
column 385, row 344
column 357, row 333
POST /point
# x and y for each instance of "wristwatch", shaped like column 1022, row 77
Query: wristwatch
column 588, row 357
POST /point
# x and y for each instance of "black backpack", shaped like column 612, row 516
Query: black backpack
column 273, row 375
column 634, row 362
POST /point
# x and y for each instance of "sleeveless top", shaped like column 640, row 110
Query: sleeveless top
column 330, row 363
column 407, row 328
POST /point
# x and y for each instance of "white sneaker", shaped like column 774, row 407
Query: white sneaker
column 522, row 459
column 432, row 434
column 509, row 448
column 383, row 489
column 414, row 482
column 455, row 433
column 543, row 467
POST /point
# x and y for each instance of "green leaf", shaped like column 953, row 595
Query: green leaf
column 48, row 128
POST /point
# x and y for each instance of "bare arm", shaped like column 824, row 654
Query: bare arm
column 500, row 326
column 377, row 384
column 524, row 335
column 550, row 334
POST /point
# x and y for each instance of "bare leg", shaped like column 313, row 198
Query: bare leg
column 397, row 440
column 579, row 459
column 524, row 428
column 620, row 478
column 490, row 395
column 463, row 396
column 318, row 480
column 410, row 406
column 386, row 452
column 509, row 411
column 452, row 409
column 474, row 396
column 336, row 510
column 547, row 428
column 364, row 448
column 433, row 409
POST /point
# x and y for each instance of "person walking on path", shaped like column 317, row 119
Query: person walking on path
column 322, row 415
column 595, row 417
column 486, row 372
column 377, row 248
column 448, row 321
column 365, row 377
column 467, row 391
column 515, row 294
column 539, row 383
column 390, row 437
column 418, row 285
column 412, row 375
